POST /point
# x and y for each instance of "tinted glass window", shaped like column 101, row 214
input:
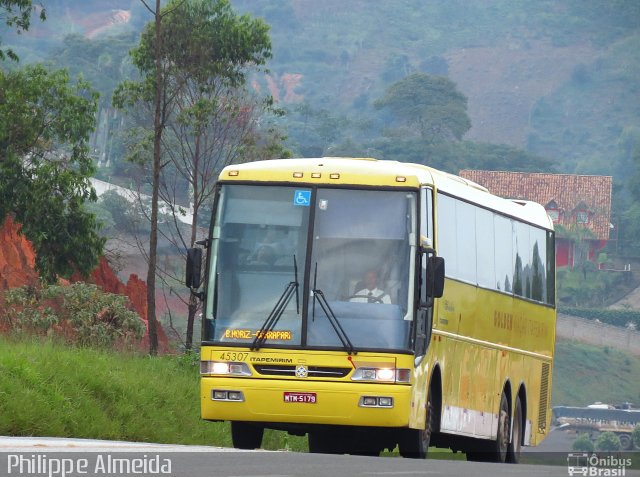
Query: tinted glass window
column 538, row 240
column 447, row 234
column 503, row 253
column 259, row 233
column 521, row 260
column 485, row 251
column 466, row 241
column 360, row 261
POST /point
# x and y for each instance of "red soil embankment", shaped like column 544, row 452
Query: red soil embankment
column 17, row 268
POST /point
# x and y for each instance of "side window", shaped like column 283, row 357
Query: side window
column 503, row 247
column 538, row 242
column 521, row 260
column 493, row 251
column 485, row 251
column 447, row 235
column 466, row 241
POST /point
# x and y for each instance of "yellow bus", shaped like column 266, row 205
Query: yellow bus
column 373, row 305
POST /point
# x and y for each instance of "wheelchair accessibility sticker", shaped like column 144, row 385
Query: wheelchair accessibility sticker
column 302, row 198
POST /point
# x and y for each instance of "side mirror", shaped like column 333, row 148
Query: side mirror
column 435, row 277
column 194, row 268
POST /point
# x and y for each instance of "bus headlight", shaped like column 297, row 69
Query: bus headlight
column 224, row 368
column 386, row 375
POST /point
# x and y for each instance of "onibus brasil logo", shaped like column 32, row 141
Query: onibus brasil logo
column 593, row 465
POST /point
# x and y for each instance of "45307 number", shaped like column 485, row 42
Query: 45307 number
column 233, row 356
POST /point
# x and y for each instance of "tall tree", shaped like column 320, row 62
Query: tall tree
column 432, row 105
column 45, row 123
column 202, row 45
column 208, row 133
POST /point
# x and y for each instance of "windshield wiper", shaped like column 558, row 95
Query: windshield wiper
column 278, row 309
column 331, row 316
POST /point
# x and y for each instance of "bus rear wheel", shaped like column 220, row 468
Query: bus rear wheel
column 245, row 435
column 513, row 451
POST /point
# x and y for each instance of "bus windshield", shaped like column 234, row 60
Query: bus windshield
column 358, row 259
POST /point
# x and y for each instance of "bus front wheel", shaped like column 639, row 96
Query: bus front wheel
column 245, row 435
column 504, row 425
column 415, row 442
column 493, row 451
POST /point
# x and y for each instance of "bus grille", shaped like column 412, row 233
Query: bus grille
column 544, row 398
column 314, row 371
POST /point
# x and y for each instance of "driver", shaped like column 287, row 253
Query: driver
column 370, row 293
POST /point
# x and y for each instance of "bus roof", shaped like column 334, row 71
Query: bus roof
column 374, row 172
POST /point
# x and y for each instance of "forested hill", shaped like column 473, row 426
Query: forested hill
column 557, row 79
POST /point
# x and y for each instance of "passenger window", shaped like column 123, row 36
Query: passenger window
column 485, row 252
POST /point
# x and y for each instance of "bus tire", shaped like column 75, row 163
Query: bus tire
column 493, row 451
column 513, row 450
column 415, row 442
column 501, row 444
column 245, row 435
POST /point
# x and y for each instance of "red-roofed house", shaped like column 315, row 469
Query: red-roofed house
column 572, row 201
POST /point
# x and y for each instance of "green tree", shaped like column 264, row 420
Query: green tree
column 153, row 66
column 583, row 443
column 214, row 120
column 16, row 13
column 194, row 51
column 103, row 62
column 634, row 179
column 432, row 105
column 608, row 442
column 45, row 123
column 119, row 208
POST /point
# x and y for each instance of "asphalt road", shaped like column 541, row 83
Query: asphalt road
column 94, row 458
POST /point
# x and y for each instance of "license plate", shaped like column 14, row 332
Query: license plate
column 308, row 398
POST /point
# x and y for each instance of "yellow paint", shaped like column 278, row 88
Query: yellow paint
column 369, row 172
column 482, row 340
column 337, row 400
column 489, row 339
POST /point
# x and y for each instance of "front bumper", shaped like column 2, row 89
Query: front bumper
column 336, row 403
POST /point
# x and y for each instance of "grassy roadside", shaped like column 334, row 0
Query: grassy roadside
column 584, row 374
column 49, row 389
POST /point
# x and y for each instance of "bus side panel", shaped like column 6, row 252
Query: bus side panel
column 486, row 342
column 533, row 328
